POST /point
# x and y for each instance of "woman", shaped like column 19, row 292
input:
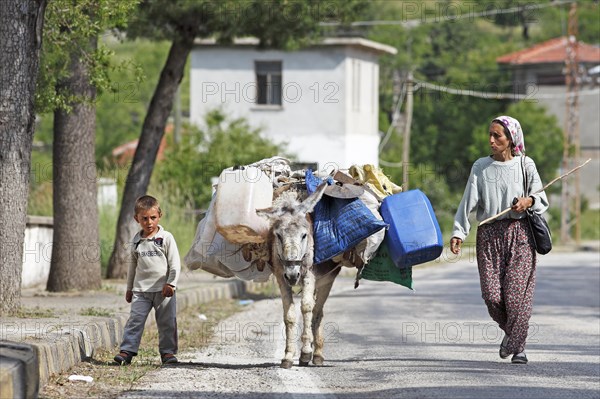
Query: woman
column 506, row 256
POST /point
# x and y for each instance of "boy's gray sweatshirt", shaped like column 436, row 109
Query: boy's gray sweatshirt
column 154, row 262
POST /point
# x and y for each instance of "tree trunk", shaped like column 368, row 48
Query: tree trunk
column 147, row 148
column 21, row 25
column 75, row 263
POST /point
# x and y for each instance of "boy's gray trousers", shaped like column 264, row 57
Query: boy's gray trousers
column 165, row 310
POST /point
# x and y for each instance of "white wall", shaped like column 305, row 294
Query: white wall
column 107, row 192
column 37, row 251
column 316, row 118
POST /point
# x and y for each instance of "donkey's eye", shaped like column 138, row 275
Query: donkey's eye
column 304, row 236
column 279, row 237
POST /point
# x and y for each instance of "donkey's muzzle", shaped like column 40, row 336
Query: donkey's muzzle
column 292, row 271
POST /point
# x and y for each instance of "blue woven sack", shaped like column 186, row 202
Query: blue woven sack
column 339, row 224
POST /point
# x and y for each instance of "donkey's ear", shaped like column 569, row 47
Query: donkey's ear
column 266, row 213
column 270, row 213
column 311, row 201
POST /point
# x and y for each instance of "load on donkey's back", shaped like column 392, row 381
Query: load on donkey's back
column 266, row 219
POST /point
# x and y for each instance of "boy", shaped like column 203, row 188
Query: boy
column 151, row 281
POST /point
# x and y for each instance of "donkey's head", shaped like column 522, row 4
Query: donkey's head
column 291, row 233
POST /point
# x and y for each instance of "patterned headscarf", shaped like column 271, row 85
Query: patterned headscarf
column 516, row 133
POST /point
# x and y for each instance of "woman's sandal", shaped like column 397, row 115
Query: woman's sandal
column 520, row 358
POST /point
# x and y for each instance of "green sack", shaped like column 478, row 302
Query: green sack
column 382, row 268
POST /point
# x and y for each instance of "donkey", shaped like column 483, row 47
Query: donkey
column 291, row 245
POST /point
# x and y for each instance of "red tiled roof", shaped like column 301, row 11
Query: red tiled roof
column 551, row 51
column 124, row 153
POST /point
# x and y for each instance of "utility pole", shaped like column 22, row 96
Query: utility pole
column 397, row 94
column 407, row 124
column 571, row 142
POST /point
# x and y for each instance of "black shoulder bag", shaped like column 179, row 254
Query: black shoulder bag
column 540, row 231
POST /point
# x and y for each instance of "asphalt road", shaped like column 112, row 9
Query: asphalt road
column 385, row 341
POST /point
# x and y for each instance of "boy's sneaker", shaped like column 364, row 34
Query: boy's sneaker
column 504, row 353
column 520, row 358
column 168, row 358
column 123, row 357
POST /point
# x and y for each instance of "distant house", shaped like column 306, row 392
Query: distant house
column 539, row 71
column 322, row 101
column 123, row 154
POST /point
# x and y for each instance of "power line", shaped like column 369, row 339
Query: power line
column 395, row 117
column 499, row 96
column 411, row 23
column 472, row 93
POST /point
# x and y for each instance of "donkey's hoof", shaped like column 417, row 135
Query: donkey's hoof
column 286, row 364
column 318, row 360
column 303, row 364
column 305, row 358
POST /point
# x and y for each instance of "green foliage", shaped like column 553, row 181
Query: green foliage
column 35, row 313
column 69, row 28
column 590, row 224
column 107, row 220
column 279, row 23
column 121, row 110
column 40, row 200
column 447, row 128
column 40, row 182
column 202, row 154
column 552, row 22
column 97, row 312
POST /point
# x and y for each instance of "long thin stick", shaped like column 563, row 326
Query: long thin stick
column 538, row 191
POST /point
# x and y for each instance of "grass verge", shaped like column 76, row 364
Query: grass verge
column 111, row 380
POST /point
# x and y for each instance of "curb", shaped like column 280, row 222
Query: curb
column 25, row 368
column 19, row 371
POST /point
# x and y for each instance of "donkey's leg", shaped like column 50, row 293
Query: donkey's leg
column 307, row 305
column 324, row 285
column 289, row 319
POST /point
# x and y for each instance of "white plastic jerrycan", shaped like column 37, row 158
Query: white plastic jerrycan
column 240, row 193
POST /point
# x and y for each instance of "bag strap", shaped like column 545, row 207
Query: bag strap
column 525, row 181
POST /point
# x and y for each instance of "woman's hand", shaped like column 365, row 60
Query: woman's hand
column 521, row 204
column 455, row 244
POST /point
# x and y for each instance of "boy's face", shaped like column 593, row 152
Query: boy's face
column 148, row 220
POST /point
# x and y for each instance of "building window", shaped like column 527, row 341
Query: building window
column 268, row 82
column 551, row 79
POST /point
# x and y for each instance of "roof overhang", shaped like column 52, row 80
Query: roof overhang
column 356, row 42
column 553, row 51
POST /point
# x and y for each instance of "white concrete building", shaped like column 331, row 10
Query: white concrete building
column 322, row 101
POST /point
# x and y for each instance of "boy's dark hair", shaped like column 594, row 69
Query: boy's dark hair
column 146, row 202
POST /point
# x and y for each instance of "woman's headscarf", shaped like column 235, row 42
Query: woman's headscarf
column 516, row 133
